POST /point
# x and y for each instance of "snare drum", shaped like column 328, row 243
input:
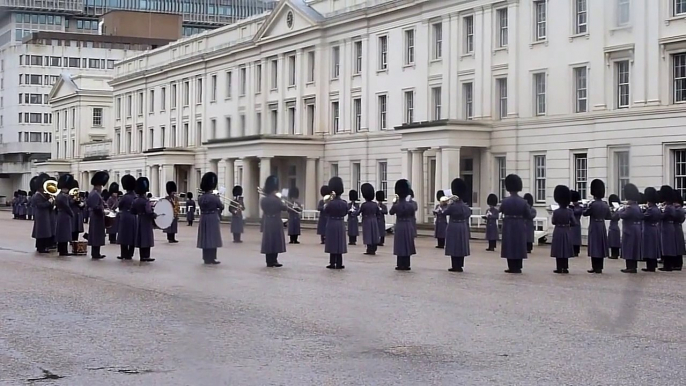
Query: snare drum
column 165, row 213
column 110, row 218
column 79, row 247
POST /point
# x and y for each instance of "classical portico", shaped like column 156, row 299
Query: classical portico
column 434, row 153
column 171, row 165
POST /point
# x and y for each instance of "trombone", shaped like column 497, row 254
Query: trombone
column 289, row 205
column 236, row 205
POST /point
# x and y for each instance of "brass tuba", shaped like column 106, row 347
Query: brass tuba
column 50, row 188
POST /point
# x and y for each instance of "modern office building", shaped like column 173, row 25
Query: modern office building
column 559, row 92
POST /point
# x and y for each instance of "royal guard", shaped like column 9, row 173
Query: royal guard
column 174, row 227
column 403, row 240
column 632, row 229
column 679, row 230
column 457, row 233
column 77, row 205
column 492, row 215
column 410, row 198
column 113, row 205
column 381, row 218
column 29, row 207
column 614, row 234
column 515, row 212
column 65, row 214
column 190, row 209
column 145, row 220
column 530, row 226
column 353, row 220
column 273, row 239
column 667, row 229
column 15, row 205
column 42, row 205
column 96, row 207
column 126, row 233
column 598, row 211
column 335, row 210
column 294, row 215
column 652, row 248
column 211, row 207
column 562, row 248
column 441, row 220
column 236, row 209
column 578, row 210
column 321, row 222
column 370, row 212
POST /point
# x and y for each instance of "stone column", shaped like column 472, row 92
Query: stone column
column 265, row 171
column 406, row 165
column 311, row 189
column 450, row 164
column 229, row 179
column 418, row 182
column 250, row 196
column 438, row 172
column 154, row 180
column 513, row 60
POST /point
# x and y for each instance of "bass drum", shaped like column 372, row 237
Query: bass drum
column 165, row 213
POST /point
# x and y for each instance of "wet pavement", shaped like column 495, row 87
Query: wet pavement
column 73, row 321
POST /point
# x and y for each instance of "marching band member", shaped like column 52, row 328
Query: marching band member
column 77, row 206
column 294, row 216
column 441, row 220
column 563, row 219
column 273, row 239
column 84, row 210
column 174, row 227
column 576, row 229
column 370, row 226
column 353, row 220
column 236, row 211
column 457, row 232
column 29, row 207
column 190, row 209
column 515, row 213
column 145, row 237
column 42, row 205
column 211, row 208
column 381, row 218
column 335, row 211
column 15, row 205
column 632, row 229
column 113, row 205
column 321, row 222
column 126, row 234
column 651, row 232
column 65, row 215
column 491, row 218
column 414, row 217
column 96, row 206
column 667, row 229
column 598, row 211
column 614, row 235
column 53, row 220
column 530, row 227
column 679, row 230
column 403, row 240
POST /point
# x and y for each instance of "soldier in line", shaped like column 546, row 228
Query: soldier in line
column 96, row 206
column 614, row 234
column 491, row 217
column 42, row 204
column 273, row 239
column 598, row 212
column 370, row 226
column 190, row 209
column 562, row 248
column 441, row 220
column 15, row 205
column 515, row 211
column 29, row 207
column 76, row 204
column 126, row 232
column 321, row 222
column 381, row 218
column 679, row 230
column 652, row 250
column 174, row 200
column 353, row 220
column 403, row 240
column 632, row 229
column 414, row 217
column 211, row 207
column 236, row 210
column 141, row 208
column 65, row 214
column 113, row 205
column 294, row 215
column 576, row 229
column 530, row 226
column 335, row 211
column 667, row 229
column 457, row 232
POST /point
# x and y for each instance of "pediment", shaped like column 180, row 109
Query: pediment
column 63, row 87
column 288, row 17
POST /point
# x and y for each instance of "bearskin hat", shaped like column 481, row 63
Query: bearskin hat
column 100, row 178
column 171, row 187
column 613, row 198
column 513, row 183
column 650, row 195
column 666, row 194
column 128, row 182
column 368, row 192
column 353, row 196
column 459, row 188
column 142, row 185
column 631, row 193
column 562, row 195
column 529, row 199
column 293, row 193
column 642, row 200
column 34, row 184
column 114, row 188
column 440, row 194
column 492, row 200
column 597, row 188
column 380, row 196
column 402, row 188
column 16, row 193
column 324, row 190
column 189, row 195
column 271, row 184
column 411, row 193
column 237, row 191
column 575, row 196
column 208, row 182
column 64, row 181
column 336, row 185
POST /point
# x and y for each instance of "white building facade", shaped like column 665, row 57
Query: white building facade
column 559, row 92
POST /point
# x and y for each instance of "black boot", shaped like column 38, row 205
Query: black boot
column 339, row 261
column 651, row 265
column 668, row 263
column 352, row 240
column 529, row 247
column 491, row 245
column 678, row 263
column 63, row 249
column 614, row 253
column 596, row 265
column 332, row 261
column 577, row 250
column 383, row 239
column 631, row 266
column 440, row 243
column 371, row 249
column 456, row 263
column 513, row 266
column 323, row 239
column 237, row 238
column 113, row 238
column 95, row 253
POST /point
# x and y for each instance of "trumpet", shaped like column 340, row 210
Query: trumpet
column 289, row 205
column 232, row 203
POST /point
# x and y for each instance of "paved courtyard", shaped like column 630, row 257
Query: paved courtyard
column 73, row 321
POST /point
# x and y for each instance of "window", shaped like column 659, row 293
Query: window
column 501, row 94
column 356, row 176
column 291, row 120
column 129, row 141
column 186, row 93
column 35, row 137
column 34, row 79
column 139, row 139
column 97, row 117
column 502, row 21
column 501, row 164
column 409, row 47
column 382, row 168
column 539, row 94
column 540, row 17
column 258, row 78
column 129, row 105
column 275, row 74
column 679, row 75
column 291, row 70
column 163, row 136
column 357, row 113
column 258, row 123
column 437, row 30
column 173, row 96
column 581, row 89
column 310, row 118
column 35, row 118
column 152, row 101
column 334, row 170
column 151, row 138
column 581, row 19
column 539, row 175
column 468, row 95
column 310, row 66
column 335, row 62
column 173, row 135
column 243, row 73
column 335, row 116
column 623, row 12
column 229, row 128
column 140, row 103
column 383, row 52
column 185, row 135
column 468, row 34
column 383, row 106
column 409, row 106
column 581, row 174
column 623, row 88
column 436, row 103
column 73, row 62
column 93, row 63
column 213, row 84
column 213, row 129
column 163, row 98
column 679, row 167
column 357, row 48
column 55, row 61
column 679, row 7
column 198, row 91
column 117, row 142
column 274, row 120
column 621, row 172
column 229, row 81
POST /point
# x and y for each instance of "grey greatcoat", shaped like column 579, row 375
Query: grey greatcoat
column 598, row 211
column 632, row 232
column 22, row 206
column 145, row 225
column 126, row 234
column 381, row 219
column 576, row 229
column 680, row 216
column 354, row 220
column 563, row 219
column 651, row 233
column 403, row 239
column 321, row 223
column 492, row 223
column 273, row 238
column 65, row 216
column 335, row 212
column 29, row 206
column 209, row 232
column 237, row 225
column 515, row 211
column 53, row 220
column 294, row 219
column 667, row 231
column 530, row 227
column 96, row 222
column 190, row 210
column 42, row 228
column 614, row 234
column 441, row 222
column 370, row 226
column 457, row 240
column 113, row 204
column 77, row 220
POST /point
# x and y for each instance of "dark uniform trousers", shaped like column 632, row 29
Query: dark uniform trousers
column 209, row 255
column 336, row 261
column 126, row 251
column 492, row 244
column 144, row 253
column 352, row 240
